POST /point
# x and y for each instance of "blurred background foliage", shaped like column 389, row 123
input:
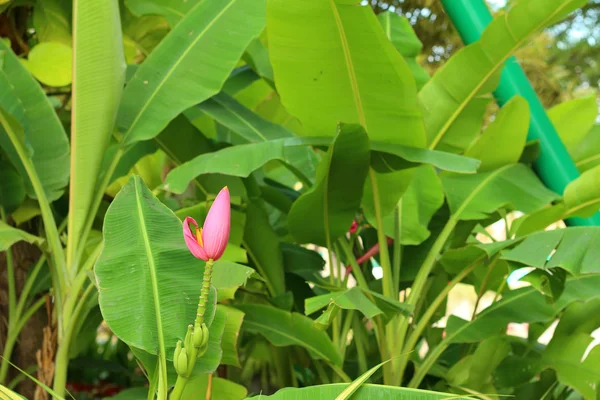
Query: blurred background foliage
column 562, row 62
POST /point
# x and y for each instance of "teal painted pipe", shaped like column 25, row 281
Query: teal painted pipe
column 554, row 165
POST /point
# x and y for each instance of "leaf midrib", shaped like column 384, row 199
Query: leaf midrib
column 482, row 82
column 582, row 205
column 154, row 279
column 587, row 160
column 242, row 120
column 174, row 67
column 349, row 64
column 478, row 189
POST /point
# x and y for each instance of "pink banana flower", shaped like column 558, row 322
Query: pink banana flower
column 209, row 242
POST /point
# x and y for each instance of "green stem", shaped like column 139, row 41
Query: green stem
column 356, row 271
column 74, row 250
column 426, row 317
column 483, row 285
column 28, row 314
column 416, row 290
column 379, row 327
column 344, row 333
column 500, row 290
column 340, row 372
column 204, row 293
column 429, row 262
column 261, row 270
column 360, row 348
column 336, row 322
column 431, row 358
column 397, row 261
column 21, row 377
column 59, row 272
column 384, row 256
column 9, row 344
column 78, row 282
column 321, row 372
column 12, row 290
column 395, row 333
column 62, row 354
column 29, row 284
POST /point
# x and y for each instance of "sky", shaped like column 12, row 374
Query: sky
column 496, row 3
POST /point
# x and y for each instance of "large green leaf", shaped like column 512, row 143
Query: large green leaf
column 581, row 199
column 573, row 120
column 587, row 154
column 475, row 70
column 141, row 35
column 52, row 21
column 148, row 280
column 10, row 235
column 538, row 220
column 567, row 352
column 12, row 188
column 365, row 392
column 333, row 62
column 358, row 382
column 582, row 196
column 325, row 212
column 484, row 362
column 257, row 57
column 172, row 10
column 197, row 387
column 98, row 73
column 135, row 393
column 262, row 245
column 10, row 395
column 229, row 341
column 422, row 199
column 574, row 249
column 252, row 128
column 228, row 277
column 55, row 54
column 388, row 157
column 242, row 160
column 504, row 139
column 301, row 261
column 283, row 328
column 472, row 197
column 23, row 98
column 399, row 31
column 519, row 306
column 351, row 299
column 188, row 66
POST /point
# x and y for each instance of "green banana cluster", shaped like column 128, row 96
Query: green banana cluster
column 194, row 346
column 200, row 336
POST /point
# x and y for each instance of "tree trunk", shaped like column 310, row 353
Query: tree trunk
column 30, row 339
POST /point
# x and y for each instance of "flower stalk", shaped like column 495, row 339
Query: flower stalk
column 207, row 243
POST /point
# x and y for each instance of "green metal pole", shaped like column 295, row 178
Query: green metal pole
column 554, row 165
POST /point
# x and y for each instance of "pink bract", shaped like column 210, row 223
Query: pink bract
column 215, row 232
